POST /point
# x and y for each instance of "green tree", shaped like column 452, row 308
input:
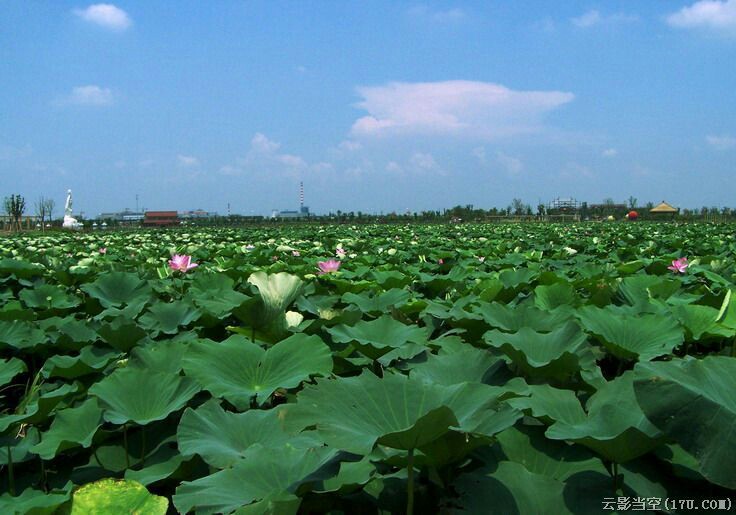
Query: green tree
column 15, row 206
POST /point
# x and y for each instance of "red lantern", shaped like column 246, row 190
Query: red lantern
column 633, row 215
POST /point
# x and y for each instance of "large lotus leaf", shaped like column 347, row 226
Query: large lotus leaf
column 528, row 446
column 159, row 356
column 380, row 333
column 614, row 426
column 266, row 474
column 168, row 317
column 71, row 427
column 511, row 490
column 239, row 370
column 222, row 438
column 69, row 333
column 38, row 408
column 19, row 447
column 463, row 364
column 378, row 303
column 47, row 296
column 90, row 360
column 700, row 321
column 552, row 296
column 35, row 502
column 642, row 337
column 159, row 465
column 479, row 408
column 21, row 334
column 19, row 268
column 355, row 413
column 517, row 277
column 693, row 402
column 122, row 333
column 116, row 496
column 277, row 291
column 141, row 396
column 453, row 310
column 556, row 353
column 118, row 288
column 514, row 318
column 9, row 368
column 214, row 294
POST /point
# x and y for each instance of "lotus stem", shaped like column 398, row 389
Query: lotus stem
column 11, row 475
column 143, row 446
column 410, row 483
column 615, row 476
column 125, row 444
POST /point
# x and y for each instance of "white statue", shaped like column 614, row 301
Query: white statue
column 69, row 221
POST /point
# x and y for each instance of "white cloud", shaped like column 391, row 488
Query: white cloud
column 594, row 17
column 394, row 167
column 715, row 15
column 187, row 161
column 89, row 96
column 349, row 145
column 476, row 109
column 424, row 162
column 261, row 143
column 480, row 154
column 511, row 164
column 609, row 152
column 723, row 142
column 423, row 12
column 105, row 15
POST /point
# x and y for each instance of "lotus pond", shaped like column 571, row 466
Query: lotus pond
column 375, row 369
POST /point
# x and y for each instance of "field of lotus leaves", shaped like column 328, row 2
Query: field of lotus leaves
column 375, row 369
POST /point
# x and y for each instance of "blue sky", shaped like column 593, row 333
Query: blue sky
column 376, row 106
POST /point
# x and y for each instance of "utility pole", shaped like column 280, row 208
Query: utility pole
column 136, row 203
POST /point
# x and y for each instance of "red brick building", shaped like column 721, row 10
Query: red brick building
column 160, row 219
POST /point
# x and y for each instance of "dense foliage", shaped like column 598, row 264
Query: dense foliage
column 469, row 368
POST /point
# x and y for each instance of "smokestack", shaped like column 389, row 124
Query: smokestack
column 301, row 194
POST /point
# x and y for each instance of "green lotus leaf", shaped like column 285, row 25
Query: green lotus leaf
column 21, row 334
column 239, row 370
column 214, row 294
column 642, row 337
column 700, row 322
column 38, row 406
column 614, row 426
column 221, row 438
column 378, row 303
column 277, row 291
column 512, row 319
column 553, row 296
column 160, row 465
column 18, row 446
column 116, row 496
column 265, row 474
column 9, row 368
column 528, row 446
column 47, row 296
column 71, row 427
column 141, row 396
column 19, row 268
column 122, row 333
column 168, row 317
column 556, row 354
column 69, row 333
column 692, row 401
column 159, row 356
column 457, row 365
column 517, row 277
column 118, row 288
column 35, row 502
column 380, row 333
column 90, row 360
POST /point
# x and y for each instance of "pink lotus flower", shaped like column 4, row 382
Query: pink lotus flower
column 329, row 266
column 181, row 263
column 295, row 253
column 102, row 250
column 340, row 253
column 679, row 265
column 440, row 261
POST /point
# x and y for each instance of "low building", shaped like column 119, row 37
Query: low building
column 160, row 219
column 197, row 214
column 125, row 216
column 302, row 213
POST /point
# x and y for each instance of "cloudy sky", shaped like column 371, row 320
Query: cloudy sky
column 376, row 105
